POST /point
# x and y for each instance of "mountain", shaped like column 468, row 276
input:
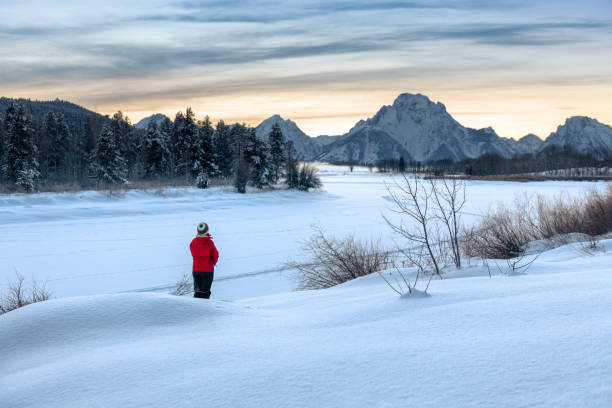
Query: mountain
column 365, row 145
column 325, row 140
column 304, row 145
column 157, row 118
column 424, row 130
column 527, row 144
column 74, row 114
column 584, row 134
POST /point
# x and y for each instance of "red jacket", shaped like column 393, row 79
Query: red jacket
column 205, row 254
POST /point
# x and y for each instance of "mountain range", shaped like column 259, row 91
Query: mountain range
column 420, row 130
column 413, row 127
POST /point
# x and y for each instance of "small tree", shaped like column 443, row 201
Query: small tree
column 108, row 165
column 21, row 151
column 156, row 153
column 223, row 155
column 241, row 175
column 205, row 153
column 276, row 140
column 257, row 155
column 202, row 180
column 291, row 167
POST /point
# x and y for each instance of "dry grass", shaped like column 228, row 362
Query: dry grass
column 18, row 295
column 504, row 232
column 184, row 286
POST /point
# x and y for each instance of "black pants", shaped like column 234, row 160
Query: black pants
column 202, row 282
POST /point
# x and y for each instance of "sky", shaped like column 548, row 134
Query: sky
column 516, row 65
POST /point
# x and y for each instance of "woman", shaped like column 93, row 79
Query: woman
column 205, row 257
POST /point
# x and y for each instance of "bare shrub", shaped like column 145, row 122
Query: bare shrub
column 183, row 286
column 18, row 295
column 559, row 216
column 432, row 208
column 308, row 178
column 517, row 265
column 504, row 232
column 449, row 196
column 597, row 212
column 401, row 284
column 336, row 261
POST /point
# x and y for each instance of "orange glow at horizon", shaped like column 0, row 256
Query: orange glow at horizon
column 510, row 113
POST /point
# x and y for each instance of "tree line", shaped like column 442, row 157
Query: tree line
column 45, row 150
column 551, row 159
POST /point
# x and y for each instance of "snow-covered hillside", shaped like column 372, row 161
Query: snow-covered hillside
column 537, row 340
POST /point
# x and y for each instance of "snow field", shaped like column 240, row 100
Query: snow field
column 89, row 243
column 537, row 340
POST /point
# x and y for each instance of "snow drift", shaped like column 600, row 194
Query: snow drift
column 541, row 340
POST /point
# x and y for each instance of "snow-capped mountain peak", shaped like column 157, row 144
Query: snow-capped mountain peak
column 157, row 118
column 584, row 134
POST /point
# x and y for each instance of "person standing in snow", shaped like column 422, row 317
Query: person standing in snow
column 205, row 257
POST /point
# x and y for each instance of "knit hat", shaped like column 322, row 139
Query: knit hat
column 203, row 229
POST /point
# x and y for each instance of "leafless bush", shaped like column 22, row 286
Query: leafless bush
column 502, row 233
column 18, row 295
column 335, row 261
column 432, row 208
column 183, row 286
column 401, row 283
column 517, row 265
column 597, row 212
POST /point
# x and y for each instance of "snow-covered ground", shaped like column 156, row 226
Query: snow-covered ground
column 89, row 243
column 537, row 340
column 113, row 338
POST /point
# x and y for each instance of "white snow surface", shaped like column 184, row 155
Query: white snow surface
column 541, row 339
column 536, row 340
column 91, row 243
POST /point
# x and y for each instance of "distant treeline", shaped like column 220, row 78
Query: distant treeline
column 46, row 149
column 550, row 159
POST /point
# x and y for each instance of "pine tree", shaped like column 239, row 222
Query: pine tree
column 107, row 163
column 223, row 154
column 156, row 155
column 177, row 153
column 238, row 137
column 206, row 157
column 276, row 140
column 291, row 166
column 2, row 151
column 21, row 151
column 125, row 141
column 184, row 139
column 166, row 127
column 241, row 174
column 59, row 138
column 401, row 166
column 256, row 154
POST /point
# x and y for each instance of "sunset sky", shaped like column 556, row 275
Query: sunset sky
column 519, row 66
